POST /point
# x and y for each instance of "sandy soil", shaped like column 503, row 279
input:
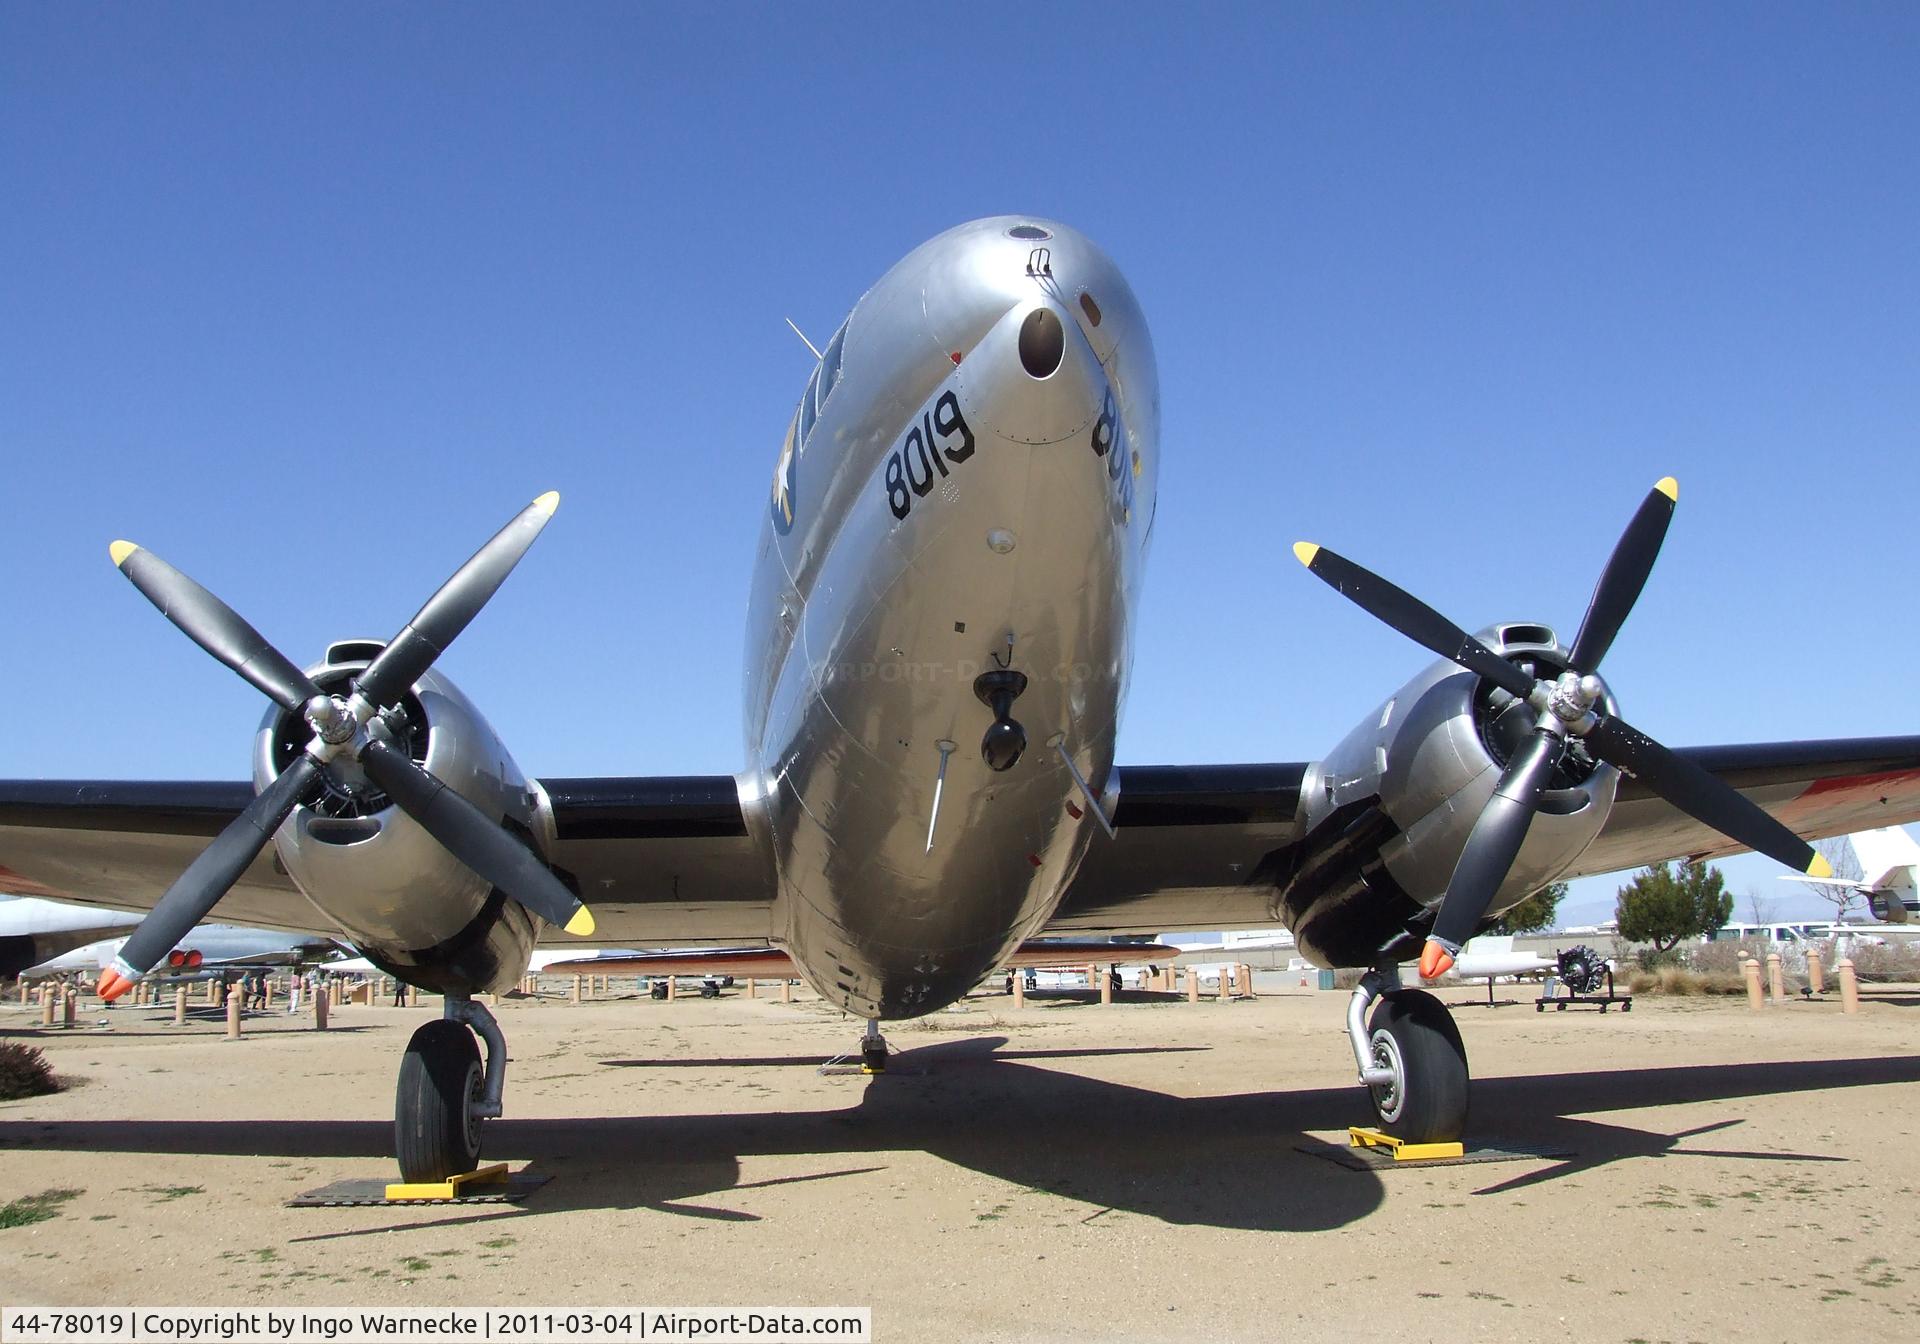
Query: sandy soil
column 1067, row 1171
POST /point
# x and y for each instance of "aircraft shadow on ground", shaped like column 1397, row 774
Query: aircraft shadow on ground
column 1224, row 1161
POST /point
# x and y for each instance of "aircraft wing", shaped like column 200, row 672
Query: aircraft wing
column 1194, row 847
column 668, row 859
column 1198, row 847
column 660, row 859
column 1817, row 789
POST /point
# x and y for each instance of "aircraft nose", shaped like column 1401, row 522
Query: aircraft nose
column 1043, row 342
column 1034, row 376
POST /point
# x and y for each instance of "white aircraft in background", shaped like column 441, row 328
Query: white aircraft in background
column 34, row 930
column 208, row 948
column 1889, row 874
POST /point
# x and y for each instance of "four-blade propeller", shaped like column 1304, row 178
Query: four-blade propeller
column 362, row 727
column 1565, row 708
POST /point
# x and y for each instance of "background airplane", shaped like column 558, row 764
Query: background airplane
column 210, row 947
column 33, row 929
column 1889, row 877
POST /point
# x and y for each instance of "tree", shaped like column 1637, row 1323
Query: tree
column 1533, row 914
column 1840, row 893
column 1759, row 908
column 1664, row 904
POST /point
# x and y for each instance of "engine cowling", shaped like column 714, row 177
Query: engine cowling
column 1388, row 811
column 413, row 908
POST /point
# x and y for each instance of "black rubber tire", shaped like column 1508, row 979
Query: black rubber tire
column 709, row 990
column 433, row 1136
column 1431, row 1106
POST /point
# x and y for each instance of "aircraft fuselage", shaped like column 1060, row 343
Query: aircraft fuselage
column 967, row 487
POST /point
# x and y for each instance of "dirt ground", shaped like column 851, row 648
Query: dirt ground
column 1064, row 1171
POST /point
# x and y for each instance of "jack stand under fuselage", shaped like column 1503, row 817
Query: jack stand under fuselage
column 873, row 1049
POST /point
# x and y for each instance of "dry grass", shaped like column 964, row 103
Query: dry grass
column 1680, row 981
column 24, row 1072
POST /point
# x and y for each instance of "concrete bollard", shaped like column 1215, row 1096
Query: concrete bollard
column 786, row 991
column 576, row 989
column 413, row 996
column 321, row 1003
column 46, row 1007
column 69, row 1007
column 236, row 1002
column 267, row 1003
column 180, row 1006
column 1816, row 974
column 1849, row 986
column 24, row 993
column 1106, row 986
column 1193, row 985
column 1019, row 989
column 1776, row 980
column 1226, row 983
column 1751, row 970
column 673, row 988
column 750, row 988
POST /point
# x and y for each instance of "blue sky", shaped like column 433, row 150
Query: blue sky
column 311, row 300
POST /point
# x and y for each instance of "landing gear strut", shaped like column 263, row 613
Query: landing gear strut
column 445, row 1096
column 1411, row 1059
column 873, row 1049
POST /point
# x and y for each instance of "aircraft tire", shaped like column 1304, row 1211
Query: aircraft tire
column 1414, row 1034
column 434, row 1134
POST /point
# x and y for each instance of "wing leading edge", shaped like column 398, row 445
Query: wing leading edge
column 671, row 859
column 1200, row 847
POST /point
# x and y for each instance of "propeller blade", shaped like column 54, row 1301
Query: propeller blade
column 1702, row 796
column 213, row 625
column 1490, row 850
column 448, row 611
column 477, row 842
column 1411, row 617
column 207, row 878
column 1625, row 575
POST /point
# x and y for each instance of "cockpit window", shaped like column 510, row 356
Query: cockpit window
column 807, row 409
column 830, row 368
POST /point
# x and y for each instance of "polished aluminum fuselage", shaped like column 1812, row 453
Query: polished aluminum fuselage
column 947, row 512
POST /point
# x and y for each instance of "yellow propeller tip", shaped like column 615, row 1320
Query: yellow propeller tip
column 548, row 502
column 1669, row 487
column 582, row 923
column 120, row 550
column 1819, row 867
column 1305, row 551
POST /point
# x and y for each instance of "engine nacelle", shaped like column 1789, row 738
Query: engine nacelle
column 413, row 908
column 1389, row 810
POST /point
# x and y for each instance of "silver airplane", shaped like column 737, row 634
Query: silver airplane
column 940, row 630
column 206, row 950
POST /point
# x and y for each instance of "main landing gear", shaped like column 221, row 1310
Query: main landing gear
column 1411, row 1059
column 445, row 1096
